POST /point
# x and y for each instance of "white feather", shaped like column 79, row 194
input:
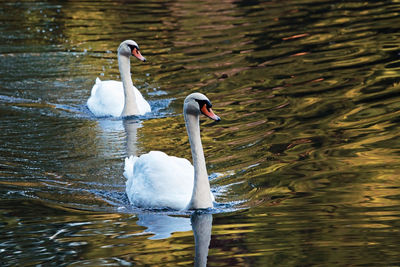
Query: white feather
column 156, row 180
column 107, row 99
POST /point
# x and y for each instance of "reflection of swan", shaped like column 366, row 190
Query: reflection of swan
column 156, row 180
column 131, row 127
column 201, row 224
column 109, row 138
column 119, row 98
column 162, row 225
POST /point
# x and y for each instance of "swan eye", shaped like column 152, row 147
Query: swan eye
column 205, row 109
column 203, row 103
column 133, row 47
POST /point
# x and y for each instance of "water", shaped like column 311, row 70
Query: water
column 304, row 164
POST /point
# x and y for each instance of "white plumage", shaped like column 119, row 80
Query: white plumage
column 156, row 180
column 107, row 99
column 115, row 98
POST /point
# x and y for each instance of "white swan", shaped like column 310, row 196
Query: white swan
column 114, row 98
column 156, row 180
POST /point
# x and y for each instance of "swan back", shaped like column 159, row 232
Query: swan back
column 107, row 98
column 156, row 180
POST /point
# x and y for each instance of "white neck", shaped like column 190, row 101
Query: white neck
column 130, row 106
column 201, row 196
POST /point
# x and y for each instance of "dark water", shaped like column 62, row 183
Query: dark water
column 304, row 164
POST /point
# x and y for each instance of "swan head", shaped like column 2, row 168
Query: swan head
column 197, row 104
column 128, row 48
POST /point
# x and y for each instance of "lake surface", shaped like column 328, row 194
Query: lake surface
column 304, row 165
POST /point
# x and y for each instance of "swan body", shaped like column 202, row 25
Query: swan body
column 115, row 98
column 156, row 180
column 108, row 99
column 147, row 188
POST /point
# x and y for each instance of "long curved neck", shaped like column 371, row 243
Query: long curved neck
column 201, row 196
column 130, row 105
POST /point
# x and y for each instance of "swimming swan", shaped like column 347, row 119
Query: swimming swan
column 156, row 180
column 114, row 98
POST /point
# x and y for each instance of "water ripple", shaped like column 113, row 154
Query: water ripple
column 305, row 156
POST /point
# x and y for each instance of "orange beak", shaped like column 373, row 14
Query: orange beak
column 137, row 54
column 209, row 113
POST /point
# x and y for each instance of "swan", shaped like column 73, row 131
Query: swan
column 156, row 180
column 114, row 98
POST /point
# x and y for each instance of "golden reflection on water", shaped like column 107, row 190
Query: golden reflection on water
column 308, row 96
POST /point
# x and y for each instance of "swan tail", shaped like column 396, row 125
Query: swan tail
column 129, row 175
column 96, row 86
column 129, row 165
